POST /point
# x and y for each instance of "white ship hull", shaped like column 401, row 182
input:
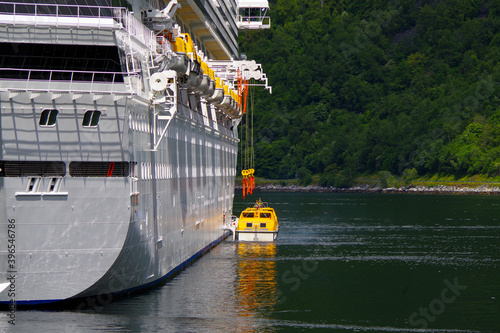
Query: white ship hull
column 125, row 187
column 92, row 229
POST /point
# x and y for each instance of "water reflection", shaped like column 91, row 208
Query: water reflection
column 380, row 259
column 256, row 283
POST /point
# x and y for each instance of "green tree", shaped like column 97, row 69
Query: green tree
column 372, row 86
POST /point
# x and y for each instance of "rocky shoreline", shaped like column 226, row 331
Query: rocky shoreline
column 439, row 189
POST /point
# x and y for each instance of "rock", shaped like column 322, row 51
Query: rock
column 365, row 188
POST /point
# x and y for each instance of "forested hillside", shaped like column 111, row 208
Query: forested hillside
column 364, row 86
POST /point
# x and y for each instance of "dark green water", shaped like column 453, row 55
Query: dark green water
column 342, row 263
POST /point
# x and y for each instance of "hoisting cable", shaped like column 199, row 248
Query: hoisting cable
column 246, row 178
column 252, row 151
column 244, row 145
column 241, row 161
column 247, row 151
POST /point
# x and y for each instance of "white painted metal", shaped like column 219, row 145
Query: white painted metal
column 248, row 236
column 252, row 14
column 91, row 236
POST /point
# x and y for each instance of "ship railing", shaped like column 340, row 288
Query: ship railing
column 197, row 117
column 253, row 22
column 63, row 80
column 205, row 120
column 233, row 70
column 38, row 14
column 136, row 28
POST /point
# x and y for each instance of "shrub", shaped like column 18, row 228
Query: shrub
column 409, row 175
column 386, row 179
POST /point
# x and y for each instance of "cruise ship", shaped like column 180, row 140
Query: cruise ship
column 118, row 132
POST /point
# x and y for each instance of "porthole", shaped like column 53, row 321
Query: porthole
column 48, row 118
column 91, row 118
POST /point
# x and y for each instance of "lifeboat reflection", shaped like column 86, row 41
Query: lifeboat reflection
column 256, row 284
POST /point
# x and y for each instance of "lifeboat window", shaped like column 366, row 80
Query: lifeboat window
column 249, row 225
column 247, row 214
column 263, row 225
column 48, row 118
column 265, row 215
column 91, row 118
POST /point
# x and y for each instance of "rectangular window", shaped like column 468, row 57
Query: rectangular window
column 60, row 62
column 91, row 118
column 249, row 225
column 33, row 184
column 32, row 168
column 265, row 215
column 247, row 214
column 99, row 169
column 54, row 185
column 263, row 225
column 48, row 118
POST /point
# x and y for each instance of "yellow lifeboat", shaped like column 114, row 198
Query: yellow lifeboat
column 181, row 61
column 258, row 223
column 184, row 47
column 229, row 105
column 207, row 85
column 218, row 94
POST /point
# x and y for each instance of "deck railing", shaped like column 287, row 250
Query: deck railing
column 253, row 22
column 75, row 15
column 63, row 80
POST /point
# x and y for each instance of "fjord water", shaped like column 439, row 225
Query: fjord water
column 342, row 263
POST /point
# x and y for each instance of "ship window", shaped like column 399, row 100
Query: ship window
column 54, row 184
column 33, row 185
column 265, row 215
column 99, row 169
column 249, row 225
column 134, row 169
column 32, row 168
column 263, row 225
column 247, row 214
column 48, row 118
column 91, row 118
column 31, row 61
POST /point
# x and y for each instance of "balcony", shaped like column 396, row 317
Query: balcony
column 253, row 15
column 79, row 16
